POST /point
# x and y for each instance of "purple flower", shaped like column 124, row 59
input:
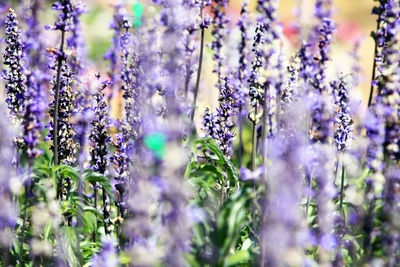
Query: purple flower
column 284, row 228
column 75, row 42
column 343, row 120
column 225, row 112
column 388, row 74
column 375, row 126
column 99, row 135
column 219, row 23
column 8, row 181
column 33, row 117
column 209, row 125
column 120, row 25
column 108, row 256
column 67, row 147
column 65, row 19
column 120, row 161
column 13, row 58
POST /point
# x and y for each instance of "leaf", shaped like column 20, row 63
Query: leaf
column 240, row 256
column 90, row 222
column 230, row 169
column 69, row 244
column 47, row 230
column 94, row 177
column 212, row 169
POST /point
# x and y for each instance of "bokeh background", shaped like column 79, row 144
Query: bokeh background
column 353, row 19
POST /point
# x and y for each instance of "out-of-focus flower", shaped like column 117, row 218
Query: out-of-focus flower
column 108, row 256
column 9, row 182
column 33, row 117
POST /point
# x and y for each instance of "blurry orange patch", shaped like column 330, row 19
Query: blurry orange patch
column 291, row 32
column 349, row 31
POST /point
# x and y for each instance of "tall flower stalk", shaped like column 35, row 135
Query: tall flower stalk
column 101, row 139
column 63, row 24
column 15, row 78
column 205, row 22
column 13, row 58
column 242, row 75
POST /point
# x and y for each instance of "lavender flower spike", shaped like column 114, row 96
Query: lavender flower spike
column 13, row 58
column 343, row 120
column 33, row 117
column 8, row 183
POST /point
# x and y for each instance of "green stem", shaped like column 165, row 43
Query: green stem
column 309, row 176
column 240, row 136
column 22, row 240
column 254, row 142
column 371, row 92
column 196, row 88
column 187, row 76
column 105, row 214
column 342, row 192
column 95, row 207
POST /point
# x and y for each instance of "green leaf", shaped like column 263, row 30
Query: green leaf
column 240, row 256
column 212, row 169
column 90, row 222
column 47, row 230
column 69, row 245
column 94, row 177
column 222, row 161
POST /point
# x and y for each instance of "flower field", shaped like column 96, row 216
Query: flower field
column 125, row 158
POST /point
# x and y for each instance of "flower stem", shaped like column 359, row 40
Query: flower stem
column 27, row 187
column 264, row 135
column 105, row 213
column 60, row 60
column 240, row 136
column 254, row 142
column 187, row 75
column 342, row 191
column 339, row 159
column 95, row 207
column 196, row 88
column 371, row 92
column 309, row 176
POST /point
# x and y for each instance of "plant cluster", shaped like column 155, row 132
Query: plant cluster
column 285, row 171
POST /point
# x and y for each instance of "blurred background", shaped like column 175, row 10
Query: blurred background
column 353, row 20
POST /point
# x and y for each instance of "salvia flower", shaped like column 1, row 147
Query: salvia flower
column 99, row 135
column 120, row 25
column 66, row 130
column 75, row 41
column 225, row 112
column 209, row 124
column 65, row 18
column 388, row 81
column 120, row 162
column 219, row 23
column 285, row 233
column 290, row 91
column 108, row 256
column 35, row 45
column 13, row 58
column 33, row 117
column 8, row 183
column 343, row 120
column 243, row 68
